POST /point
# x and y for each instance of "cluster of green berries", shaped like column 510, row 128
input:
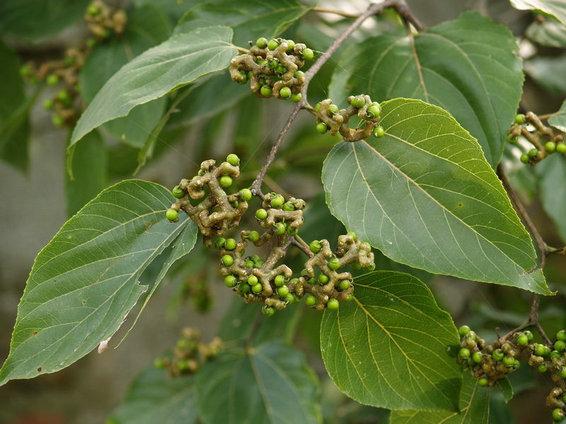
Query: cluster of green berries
column 335, row 120
column 273, row 68
column 103, row 21
column 189, row 354
column 543, row 139
column 492, row 362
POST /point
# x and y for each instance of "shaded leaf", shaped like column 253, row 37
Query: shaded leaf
column 547, row 33
column 556, row 8
column 552, row 190
column 548, row 72
column 180, row 60
column 270, row 383
column 387, row 347
column 469, row 66
column 558, row 119
column 425, row 196
column 84, row 282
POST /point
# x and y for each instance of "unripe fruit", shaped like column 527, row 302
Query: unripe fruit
column 288, row 206
column 561, row 148
column 57, row 120
column 285, row 93
column 296, row 98
column 277, row 201
column 561, row 335
column 219, row 242
column 283, row 291
column 542, row 368
column 323, row 278
column 249, row 263
column 374, row 110
column 520, row 119
column 230, row 281
column 280, row 228
column 464, row 330
column 464, row 353
column 92, row 10
column 48, row 104
column 279, row 280
column 379, row 131
column 257, row 288
column 246, row 194
column 268, row 310
column 525, row 158
column 522, row 340
column 253, row 236
column 290, row 45
column 563, row 372
column 226, row 181
column 532, row 153
column 177, row 192
column 244, row 288
column 483, row 381
column 261, row 214
column 557, row 414
column 333, row 109
column 344, row 285
column 321, row 127
column 308, row 54
column 334, row 264
column 227, row 260
column 290, row 298
column 333, row 304
column 541, row 350
column 560, row 345
column 52, row 79
column 315, row 246
column 172, row 215
column 261, row 42
column 252, row 280
column 477, row 357
column 358, row 102
column 310, row 300
column 550, row 146
column 230, row 244
column 529, row 335
column 265, row 91
column 233, row 159
column 272, row 44
column 509, row 361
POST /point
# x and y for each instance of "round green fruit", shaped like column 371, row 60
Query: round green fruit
column 561, row 147
column 477, row 357
column 522, row 340
column 533, row 153
column 297, row 97
column 560, row 345
column 374, row 110
column 550, row 146
column 310, row 300
column 233, row 159
column 557, row 414
column 321, row 127
column 358, row 102
column 315, row 246
column 227, row 260
column 283, row 291
column 279, row 280
column 464, row 330
column 520, row 119
column 261, row 214
column 268, row 311
column 246, row 194
column 252, row 280
column 561, row 335
column 333, row 109
column 280, row 228
column 52, row 80
column 261, row 42
column 226, row 181
column 334, row 264
column 178, row 192
column 379, row 131
column 288, row 206
column 285, row 93
column 265, row 91
column 272, row 44
column 253, row 236
column 277, row 201
column 525, row 158
column 344, row 285
column 257, row 288
column 230, row 244
column 308, row 54
column 333, row 304
column 172, row 215
column 230, row 281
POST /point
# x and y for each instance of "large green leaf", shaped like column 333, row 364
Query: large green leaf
column 387, row 347
column 556, row 8
column 474, row 408
column 250, row 19
column 548, row 72
column 269, row 383
column 552, row 175
column 84, row 282
column 39, row 18
column 425, row 196
column 468, row 66
column 155, row 397
column 558, row 119
column 548, row 33
column 180, row 60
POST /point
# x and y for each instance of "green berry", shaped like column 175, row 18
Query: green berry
column 483, row 381
column 525, row 158
column 230, row 281
column 296, row 98
column 272, row 44
column 244, row 288
column 308, row 54
column 464, row 353
column 92, row 10
column 257, row 288
column 315, row 246
column 561, row 335
column 533, row 153
column 226, row 181
column 285, row 93
column 379, row 131
column 252, row 280
column 557, row 414
column 334, row 264
column 290, row 45
column 477, row 357
column 522, row 340
column 280, row 228
column 542, row 368
column 344, row 285
column 509, row 361
column 52, row 79
column 358, row 102
column 230, row 244
column 48, row 104
column 57, row 120
column 323, row 278
column 560, row 345
column 288, row 206
column 253, row 236
column 321, row 127
column 333, row 109
column 63, row 96
column 290, row 298
column 283, row 291
column 261, row 214
column 561, row 148
column 310, row 300
column 249, row 263
column 541, row 350
column 374, row 109
column 172, row 215
column 333, row 304
column 227, row 260
column 219, row 242
column 261, row 42
column 464, row 330
column 268, row 311
column 246, row 194
column 233, row 159
column 277, row 201
column 512, row 139
column 265, row 91
column 563, row 372
column 178, row 192
column 550, row 146
column 529, row 335
column 520, row 119
column 279, row 280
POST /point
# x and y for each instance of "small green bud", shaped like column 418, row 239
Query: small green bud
column 272, row 44
column 280, row 228
column 220, row 242
column 230, row 281
column 227, row 260
column 464, row 330
column 321, row 127
column 290, row 45
column 560, row 345
column 529, row 335
column 374, row 109
column 525, row 158
column 257, row 288
column 509, row 361
column 315, row 246
column 464, row 353
column 261, row 214
column 246, row 194
column 285, row 93
column 333, row 109
column 252, row 280
column 225, row 181
column 323, row 278
column 268, row 311
column 308, row 54
column 522, row 340
column 358, row 102
column 230, row 244
column 378, row 131
column 277, row 201
column 550, row 146
column 265, row 91
column 178, row 192
column 541, row 350
column 172, row 215
column 92, row 9
column 244, row 288
column 261, row 42
column 477, row 357
column 520, row 119
column 63, row 96
column 557, row 414
column 288, row 206
column 561, row 148
column 248, row 263
column 296, row 98
column 344, row 285
column 333, row 304
column 233, row 159
column 283, row 291
column 563, row 372
column 542, row 368
column 533, row 153
column 310, row 300
column 253, row 236
column 561, row 335
column 334, row 264
column 57, row 120
column 279, row 280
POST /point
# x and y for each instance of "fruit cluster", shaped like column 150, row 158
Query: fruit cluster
column 492, row 362
column 273, row 68
column 263, row 279
column 544, row 140
column 189, row 354
column 104, row 21
column 335, row 120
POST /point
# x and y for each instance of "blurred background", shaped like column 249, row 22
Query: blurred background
column 35, row 204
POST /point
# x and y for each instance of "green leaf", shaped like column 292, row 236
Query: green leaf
column 556, row 8
column 250, row 19
column 548, row 72
column 84, row 282
column 425, row 196
column 270, row 383
column 474, row 408
column 552, row 190
column 90, row 172
column 39, row 18
column 155, row 397
column 387, row 347
column 469, row 66
column 180, row 60
column 547, row 33
column 14, row 110
column 558, row 119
